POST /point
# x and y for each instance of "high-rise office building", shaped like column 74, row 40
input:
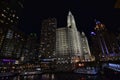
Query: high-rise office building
column 31, row 48
column 18, row 43
column 85, row 47
column 73, row 36
column 48, row 38
column 10, row 15
column 104, row 40
column 8, row 46
column 95, row 49
column 71, row 45
column 12, row 45
column 1, row 37
column 61, row 42
column 118, row 40
column 10, row 12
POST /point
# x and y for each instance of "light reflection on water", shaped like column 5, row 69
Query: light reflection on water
column 56, row 76
column 48, row 76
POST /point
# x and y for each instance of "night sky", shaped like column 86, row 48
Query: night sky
column 84, row 11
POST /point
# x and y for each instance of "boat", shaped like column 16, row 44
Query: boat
column 24, row 73
column 86, row 71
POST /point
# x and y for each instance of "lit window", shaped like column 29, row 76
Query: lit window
column 3, row 15
column 17, row 17
column 8, row 18
column 11, row 20
column 13, row 15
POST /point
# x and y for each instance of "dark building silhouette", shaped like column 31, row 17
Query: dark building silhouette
column 117, row 4
column 10, row 16
column 118, row 39
column 103, row 41
column 48, row 38
column 12, row 44
column 10, row 12
column 31, row 48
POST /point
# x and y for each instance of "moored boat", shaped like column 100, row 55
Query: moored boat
column 86, row 71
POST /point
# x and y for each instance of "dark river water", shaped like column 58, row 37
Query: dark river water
column 60, row 76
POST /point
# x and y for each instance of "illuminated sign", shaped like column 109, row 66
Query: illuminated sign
column 8, row 60
column 114, row 65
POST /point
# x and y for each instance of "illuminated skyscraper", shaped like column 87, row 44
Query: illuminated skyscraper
column 48, row 38
column 85, row 47
column 61, row 42
column 74, row 36
column 70, row 43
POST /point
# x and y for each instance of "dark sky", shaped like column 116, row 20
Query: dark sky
column 84, row 11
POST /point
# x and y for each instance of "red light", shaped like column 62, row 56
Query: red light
column 82, row 78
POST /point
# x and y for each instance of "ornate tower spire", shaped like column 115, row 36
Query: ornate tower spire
column 71, row 21
column 83, row 34
column 69, row 13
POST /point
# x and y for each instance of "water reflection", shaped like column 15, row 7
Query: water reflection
column 48, row 77
column 58, row 76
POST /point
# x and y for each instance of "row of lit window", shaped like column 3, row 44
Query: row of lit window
column 59, row 45
column 12, row 15
column 3, row 15
column 6, row 22
column 7, row 14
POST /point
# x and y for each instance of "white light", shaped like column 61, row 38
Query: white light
column 79, row 64
column 4, row 10
column 17, row 17
column 11, row 20
column 8, row 18
column 13, row 15
column 3, row 15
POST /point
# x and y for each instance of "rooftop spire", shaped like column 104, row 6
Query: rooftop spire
column 71, row 21
column 83, row 33
column 69, row 13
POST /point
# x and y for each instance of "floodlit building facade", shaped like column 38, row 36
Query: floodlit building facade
column 71, row 45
